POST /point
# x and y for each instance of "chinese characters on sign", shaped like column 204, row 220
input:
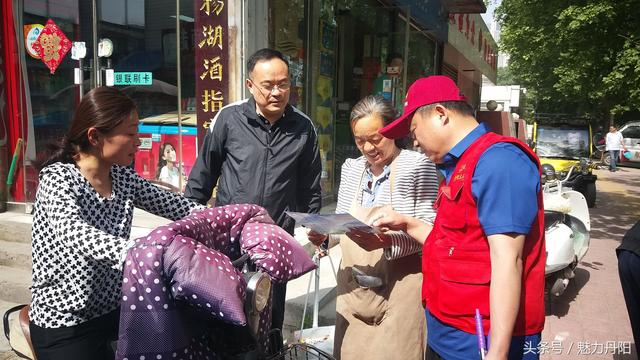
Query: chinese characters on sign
column 211, row 61
column 467, row 27
column 133, row 78
column 212, row 6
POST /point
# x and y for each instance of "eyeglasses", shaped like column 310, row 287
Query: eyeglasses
column 270, row 88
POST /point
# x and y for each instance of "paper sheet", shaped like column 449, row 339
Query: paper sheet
column 330, row 223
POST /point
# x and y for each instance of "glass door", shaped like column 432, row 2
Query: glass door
column 144, row 64
column 50, row 97
column 372, row 53
column 130, row 44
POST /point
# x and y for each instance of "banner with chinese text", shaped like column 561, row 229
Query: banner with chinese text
column 211, row 39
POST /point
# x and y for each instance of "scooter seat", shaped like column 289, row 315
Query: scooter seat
column 18, row 333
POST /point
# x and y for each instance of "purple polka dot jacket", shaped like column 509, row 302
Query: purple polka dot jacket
column 178, row 282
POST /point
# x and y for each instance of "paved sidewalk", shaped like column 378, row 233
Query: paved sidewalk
column 591, row 315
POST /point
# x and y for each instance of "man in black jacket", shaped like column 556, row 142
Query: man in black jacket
column 261, row 151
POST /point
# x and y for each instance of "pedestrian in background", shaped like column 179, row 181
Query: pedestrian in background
column 81, row 227
column 261, row 151
column 629, row 270
column 486, row 249
column 384, row 321
column 614, row 143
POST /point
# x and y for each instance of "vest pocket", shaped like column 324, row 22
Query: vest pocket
column 464, row 286
column 368, row 305
column 454, row 223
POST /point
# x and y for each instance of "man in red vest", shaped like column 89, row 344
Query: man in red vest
column 485, row 250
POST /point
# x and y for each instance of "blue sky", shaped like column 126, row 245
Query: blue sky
column 488, row 16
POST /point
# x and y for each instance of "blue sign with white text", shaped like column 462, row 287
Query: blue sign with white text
column 132, row 78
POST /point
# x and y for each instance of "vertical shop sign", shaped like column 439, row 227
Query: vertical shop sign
column 211, row 39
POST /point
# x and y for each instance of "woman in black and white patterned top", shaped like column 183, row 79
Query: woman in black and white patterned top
column 82, row 222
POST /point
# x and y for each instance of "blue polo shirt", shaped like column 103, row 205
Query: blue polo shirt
column 505, row 186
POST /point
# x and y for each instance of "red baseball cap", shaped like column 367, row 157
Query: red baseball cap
column 424, row 91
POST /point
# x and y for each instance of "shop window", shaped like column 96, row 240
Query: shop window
column 324, row 79
column 287, row 35
column 421, row 56
column 366, row 30
column 143, row 35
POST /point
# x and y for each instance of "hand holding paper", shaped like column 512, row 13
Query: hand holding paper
column 316, row 238
column 392, row 220
column 330, row 223
column 369, row 241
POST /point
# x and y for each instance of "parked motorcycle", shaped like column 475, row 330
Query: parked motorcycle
column 567, row 226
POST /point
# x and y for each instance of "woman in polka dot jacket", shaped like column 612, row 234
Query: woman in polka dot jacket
column 81, row 226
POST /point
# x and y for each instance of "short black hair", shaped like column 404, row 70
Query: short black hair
column 265, row 54
column 393, row 55
column 461, row 107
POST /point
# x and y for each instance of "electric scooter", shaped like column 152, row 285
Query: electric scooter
column 567, row 227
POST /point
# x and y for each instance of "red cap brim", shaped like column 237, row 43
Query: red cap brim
column 399, row 127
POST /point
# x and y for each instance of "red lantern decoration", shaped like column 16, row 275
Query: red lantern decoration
column 52, row 45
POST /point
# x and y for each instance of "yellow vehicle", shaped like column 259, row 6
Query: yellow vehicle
column 561, row 146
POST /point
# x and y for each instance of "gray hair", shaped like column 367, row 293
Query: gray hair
column 370, row 105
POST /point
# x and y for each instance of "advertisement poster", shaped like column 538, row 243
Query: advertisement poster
column 156, row 158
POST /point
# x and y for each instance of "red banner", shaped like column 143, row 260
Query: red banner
column 4, row 130
column 211, row 41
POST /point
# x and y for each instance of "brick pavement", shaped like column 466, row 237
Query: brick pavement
column 591, row 313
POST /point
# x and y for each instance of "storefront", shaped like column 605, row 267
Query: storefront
column 469, row 53
column 137, row 52
column 339, row 51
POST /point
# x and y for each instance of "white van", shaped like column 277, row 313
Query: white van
column 631, row 134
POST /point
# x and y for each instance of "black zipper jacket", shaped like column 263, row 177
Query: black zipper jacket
column 631, row 240
column 275, row 166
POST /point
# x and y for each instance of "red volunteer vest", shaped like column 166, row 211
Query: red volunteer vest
column 456, row 262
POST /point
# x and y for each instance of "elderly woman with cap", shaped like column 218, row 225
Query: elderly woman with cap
column 483, row 259
column 379, row 313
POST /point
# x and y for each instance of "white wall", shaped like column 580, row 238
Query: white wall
column 508, row 96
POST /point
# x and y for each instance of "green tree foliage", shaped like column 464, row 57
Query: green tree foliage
column 505, row 77
column 575, row 56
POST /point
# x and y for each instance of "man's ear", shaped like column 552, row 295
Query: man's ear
column 249, row 85
column 442, row 113
column 94, row 136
